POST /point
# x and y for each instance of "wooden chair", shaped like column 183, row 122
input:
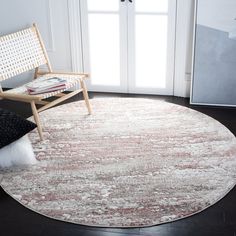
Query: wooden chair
column 24, row 51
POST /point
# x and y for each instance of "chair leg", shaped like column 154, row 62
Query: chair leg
column 36, row 118
column 86, row 97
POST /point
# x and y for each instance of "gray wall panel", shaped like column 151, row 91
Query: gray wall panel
column 214, row 79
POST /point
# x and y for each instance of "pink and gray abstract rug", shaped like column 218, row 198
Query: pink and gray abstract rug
column 133, row 163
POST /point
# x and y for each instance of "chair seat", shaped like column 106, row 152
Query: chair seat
column 71, row 81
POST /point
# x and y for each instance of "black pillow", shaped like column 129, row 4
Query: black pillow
column 13, row 127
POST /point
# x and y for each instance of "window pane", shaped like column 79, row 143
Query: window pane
column 104, row 49
column 151, row 5
column 103, row 5
column 151, row 50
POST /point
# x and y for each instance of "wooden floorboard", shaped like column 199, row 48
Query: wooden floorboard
column 218, row 220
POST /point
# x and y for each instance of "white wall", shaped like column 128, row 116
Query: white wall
column 55, row 21
column 184, row 43
column 51, row 16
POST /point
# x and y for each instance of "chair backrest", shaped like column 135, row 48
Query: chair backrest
column 20, row 52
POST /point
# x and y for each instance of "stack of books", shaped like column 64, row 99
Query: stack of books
column 45, row 85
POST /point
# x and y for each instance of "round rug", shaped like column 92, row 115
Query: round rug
column 132, row 163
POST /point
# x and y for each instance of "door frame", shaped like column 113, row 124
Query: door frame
column 184, row 23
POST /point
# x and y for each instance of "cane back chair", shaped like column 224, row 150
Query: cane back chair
column 24, row 51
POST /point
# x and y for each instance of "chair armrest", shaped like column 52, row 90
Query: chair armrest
column 85, row 75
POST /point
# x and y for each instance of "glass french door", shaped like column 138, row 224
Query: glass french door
column 128, row 45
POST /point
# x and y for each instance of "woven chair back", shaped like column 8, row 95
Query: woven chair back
column 20, row 52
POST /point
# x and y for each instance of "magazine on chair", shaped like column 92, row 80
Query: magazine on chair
column 43, row 85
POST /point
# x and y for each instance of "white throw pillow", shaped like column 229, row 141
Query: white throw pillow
column 19, row 152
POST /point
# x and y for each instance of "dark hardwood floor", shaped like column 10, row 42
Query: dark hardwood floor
column 218, row 220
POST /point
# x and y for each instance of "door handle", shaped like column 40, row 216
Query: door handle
column 122, row 0
column 131, row 1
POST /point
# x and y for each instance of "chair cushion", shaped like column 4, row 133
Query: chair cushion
column 13, row 127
